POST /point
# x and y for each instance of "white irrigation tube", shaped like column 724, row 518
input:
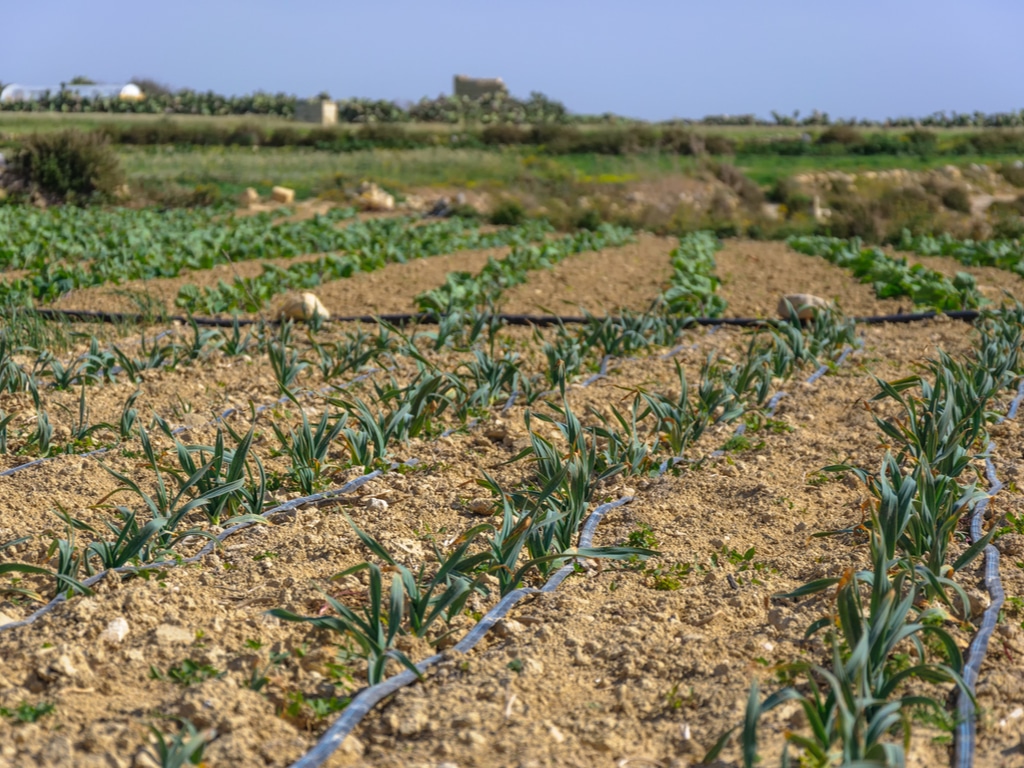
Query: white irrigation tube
column 966, row 730
column 350, row 486
column 369, row 697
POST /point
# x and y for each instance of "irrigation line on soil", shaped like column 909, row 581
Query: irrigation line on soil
column 368, row 698
column 429, row 318
column 966, row 730
column 350, row 486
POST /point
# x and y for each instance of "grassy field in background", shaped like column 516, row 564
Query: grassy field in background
column 14, row 123
column 311, row 171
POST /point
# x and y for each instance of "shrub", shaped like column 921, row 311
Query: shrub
column 841, row 134
column 204, row 195
column 719, row 145
column 285, row 136
column 1013, row 173
column 509, row 213
column 503, row 133
column 853, row 217
column 678, row 140
column 589, row 219
column 465, row 211
column 907, row 208
column 1008, row 226
column 957, row 199
column 69, row 166
column 782, row 190
column 995, row 142
column 922, row 142
column 246, row 136
column 745, row 188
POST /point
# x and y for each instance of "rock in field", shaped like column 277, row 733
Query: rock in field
column 304, row 307
column 803, row 303
column 249, row 198
column 373, row 198
column 283, row 195
column 116, row 631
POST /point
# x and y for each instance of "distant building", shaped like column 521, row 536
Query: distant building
column 479, row 87
column 126, row 92
column 323, row 111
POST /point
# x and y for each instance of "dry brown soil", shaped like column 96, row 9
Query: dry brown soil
column 618, row 667
column 629, row 277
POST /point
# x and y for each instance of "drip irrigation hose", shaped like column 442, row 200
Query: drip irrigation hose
column 430, row 318
column 363, row 702
column 350, row 486
column 965, row 737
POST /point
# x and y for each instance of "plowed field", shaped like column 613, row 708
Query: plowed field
column 636, row 662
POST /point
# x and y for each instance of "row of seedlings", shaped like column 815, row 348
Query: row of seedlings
column 540, row 520
column 228, row 484
column 857, row 705
column 387, row 241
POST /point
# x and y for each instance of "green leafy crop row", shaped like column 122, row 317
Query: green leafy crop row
column 892, row 277
column 694, row 285
column 1005, row 254
column 67, row 248
column 374, row 245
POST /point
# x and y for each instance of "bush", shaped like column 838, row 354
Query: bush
column 1008, row 227
column 204, row 195
column 509, row 213
column 246, row 136
column 907, row 208
column 589, row 219
column 957, row 199
column 719, row 145
column 922, row 142
column 503, row 133
column 852, row 216
column 677, row 140
column 745, row 188
column 69, row 166
column 994, row 142
column 1013, row 173
column 841, row 134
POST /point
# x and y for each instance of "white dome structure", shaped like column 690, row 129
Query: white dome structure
column 126, row 92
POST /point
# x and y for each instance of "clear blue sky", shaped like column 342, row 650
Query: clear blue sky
column 653, row 59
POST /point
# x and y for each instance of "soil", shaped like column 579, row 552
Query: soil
column 755, row 274
column 630, row 277
column 618, row 667
column 394, row 289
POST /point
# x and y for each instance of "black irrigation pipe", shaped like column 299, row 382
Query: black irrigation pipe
column 348, row 487
column 965, row 735
column 363, row 702
column 429, row 318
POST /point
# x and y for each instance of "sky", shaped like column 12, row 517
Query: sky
column 649, row 59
